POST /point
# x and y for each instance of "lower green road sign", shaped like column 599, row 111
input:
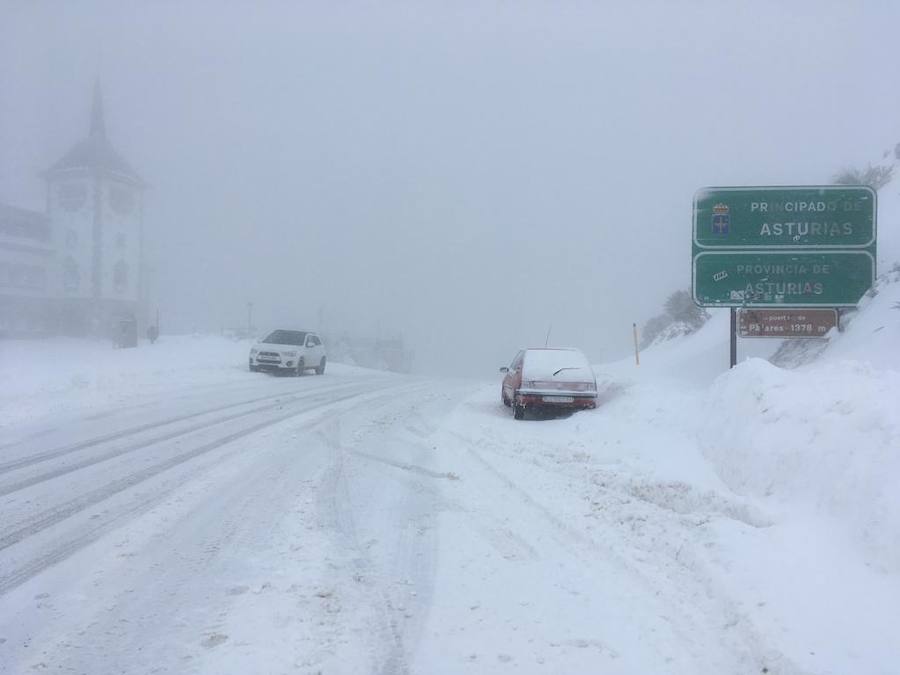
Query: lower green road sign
column 795, row 279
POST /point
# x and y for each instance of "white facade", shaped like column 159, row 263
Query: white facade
column 96, row 221
column 85, row 254
column 121, row 205
column 27, row 271
column 69, row 208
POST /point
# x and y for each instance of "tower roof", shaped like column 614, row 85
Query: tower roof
column 96, row 152
column 98, row 125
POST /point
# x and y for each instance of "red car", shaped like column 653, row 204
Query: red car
column 549, row 378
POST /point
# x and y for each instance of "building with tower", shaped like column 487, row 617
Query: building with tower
column 77, row 268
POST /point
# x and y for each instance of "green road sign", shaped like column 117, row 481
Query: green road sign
column 789, row 246
column 829, row 217
column 792, row 279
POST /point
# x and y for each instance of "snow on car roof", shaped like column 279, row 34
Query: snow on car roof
column 566, row 365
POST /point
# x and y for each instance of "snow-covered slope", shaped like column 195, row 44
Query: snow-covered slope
column 871, row 334
column 690, row 360
column 889, row 224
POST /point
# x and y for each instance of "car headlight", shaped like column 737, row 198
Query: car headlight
column 254, row 351
column 294, row 353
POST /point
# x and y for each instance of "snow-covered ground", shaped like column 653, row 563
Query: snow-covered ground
column 164, row 510
column 64, row 377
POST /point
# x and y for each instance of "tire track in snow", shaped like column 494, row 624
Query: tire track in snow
column 334, row 498
column 401, row 592
column 118, row 452
column 53, row 516
column 403, row 466
column 132, row 431
column 129, row 512
column 234, row 517
column 748, row 645
column 56, row 514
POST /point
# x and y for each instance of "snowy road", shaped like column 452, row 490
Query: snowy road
column 370, row 523
column 119, row 531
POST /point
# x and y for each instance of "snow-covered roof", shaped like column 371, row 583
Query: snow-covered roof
column 96, row 152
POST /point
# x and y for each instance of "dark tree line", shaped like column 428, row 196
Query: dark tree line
column 680, row 316
column 875, row 177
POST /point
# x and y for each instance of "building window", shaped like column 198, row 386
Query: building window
column 120, row 277
column 120, row 240
column 71, row 238
column 71, row 196
column 121, row 200
column 71, row 275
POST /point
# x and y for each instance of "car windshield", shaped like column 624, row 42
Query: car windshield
column 285, row 337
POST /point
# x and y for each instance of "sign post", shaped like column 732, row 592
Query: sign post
column 783, row 247
column 733, row 338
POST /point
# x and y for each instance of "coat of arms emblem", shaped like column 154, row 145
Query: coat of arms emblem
column 721, row 219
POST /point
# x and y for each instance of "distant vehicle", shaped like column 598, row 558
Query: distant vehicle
column 291, row 351
column 549, row 378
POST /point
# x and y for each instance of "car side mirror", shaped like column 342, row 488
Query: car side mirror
column 504, row 369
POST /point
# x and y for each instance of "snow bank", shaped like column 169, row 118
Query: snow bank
column 814, row 448
column 824, row 440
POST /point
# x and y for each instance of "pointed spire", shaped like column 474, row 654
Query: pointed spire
column 98, row 125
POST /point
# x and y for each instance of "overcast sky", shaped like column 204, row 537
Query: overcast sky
column 465, row 174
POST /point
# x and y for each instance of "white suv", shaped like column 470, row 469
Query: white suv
column 293, row 351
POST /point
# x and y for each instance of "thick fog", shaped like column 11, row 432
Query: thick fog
column 465, row 175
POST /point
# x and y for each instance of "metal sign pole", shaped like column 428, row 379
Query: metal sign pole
column 733, row 337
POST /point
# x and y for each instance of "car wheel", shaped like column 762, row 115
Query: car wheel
column 519, row 411
column 505, row 400
column 301, row 366
column 320, row 369
column 254, row 369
